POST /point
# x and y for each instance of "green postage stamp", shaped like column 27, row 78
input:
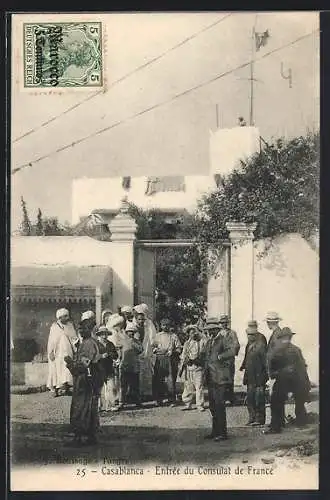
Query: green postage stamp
column 62, row 55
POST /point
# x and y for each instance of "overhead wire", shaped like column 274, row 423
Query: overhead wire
column 123, row 78
column 160, row 104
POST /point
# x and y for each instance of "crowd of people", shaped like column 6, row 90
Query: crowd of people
column 125, row 358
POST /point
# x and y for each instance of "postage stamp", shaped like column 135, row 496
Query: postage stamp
column 62, row 55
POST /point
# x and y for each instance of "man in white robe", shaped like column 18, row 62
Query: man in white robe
column 127, row 313
column 147, row 358
column 61, row 343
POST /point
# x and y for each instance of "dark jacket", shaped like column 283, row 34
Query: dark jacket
column 254, row 362
column 130, row 361
column 289, row 367
column 107, row 363
column 261, row 338
column 273, row 343
column 231, row 342
column 218, row 371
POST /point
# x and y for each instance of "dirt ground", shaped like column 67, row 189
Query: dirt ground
column 40, row 435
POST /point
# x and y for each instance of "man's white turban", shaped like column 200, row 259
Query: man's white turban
column 126, row 309
column 87, row 315
column 141, row 309
column 114, row 320
column 61, row 312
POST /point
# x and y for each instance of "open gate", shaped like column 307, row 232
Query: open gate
column 218, row 288
column 145, row 277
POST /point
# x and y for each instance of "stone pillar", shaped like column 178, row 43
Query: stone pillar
column 218, row 284
column 241, row 280
column 98, row 305
column 123, row 229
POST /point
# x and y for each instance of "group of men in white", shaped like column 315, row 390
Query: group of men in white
column 64, row 339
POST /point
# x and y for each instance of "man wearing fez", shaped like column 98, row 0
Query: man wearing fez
column 255, row 374
column 231, row 342
column 288, row 368
column 218, row 376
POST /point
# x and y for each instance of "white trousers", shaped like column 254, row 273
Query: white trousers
column 108, row 394
column 193, row 385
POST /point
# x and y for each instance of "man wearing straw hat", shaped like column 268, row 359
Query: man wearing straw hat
column 218, row 376
column 130, row 367
column 108, row 354
column 255, row 374
column 273, row 319
column 118, row 337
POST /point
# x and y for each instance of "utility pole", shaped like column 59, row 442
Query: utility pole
column 253, row 49
column 217, row 114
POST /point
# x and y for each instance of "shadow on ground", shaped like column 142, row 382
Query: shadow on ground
column 41, row 443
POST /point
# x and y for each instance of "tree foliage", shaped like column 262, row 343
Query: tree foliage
column 25, row 227
column 151, row 224
column 39, row 225
column 179, row 281
column 50, row 226
column 277, row 188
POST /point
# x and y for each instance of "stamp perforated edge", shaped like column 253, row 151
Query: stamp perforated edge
column 18, row 21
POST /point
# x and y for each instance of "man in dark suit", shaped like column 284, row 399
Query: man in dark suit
column 288, row 368
column 218, row 377
column 232, row 343
column 273, row 320
column 255, row 374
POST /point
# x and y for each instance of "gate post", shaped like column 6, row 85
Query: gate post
column 218, row 300
column 242, row 281
column 123, row 229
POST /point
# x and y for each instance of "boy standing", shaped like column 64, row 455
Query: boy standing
column 130, row 366
column 192, row 367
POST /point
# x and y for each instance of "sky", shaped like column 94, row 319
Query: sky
column 173, row 138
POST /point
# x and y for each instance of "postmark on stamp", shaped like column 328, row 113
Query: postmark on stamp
column 63, row 55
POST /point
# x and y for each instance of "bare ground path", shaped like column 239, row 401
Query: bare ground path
column 40, row 435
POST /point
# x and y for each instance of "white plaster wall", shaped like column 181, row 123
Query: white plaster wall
column 241, row 297
column 107, row 193
column 229, row 145
column 287, row 281
column 218, row 286
column 59, row 250
column 122, row 260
